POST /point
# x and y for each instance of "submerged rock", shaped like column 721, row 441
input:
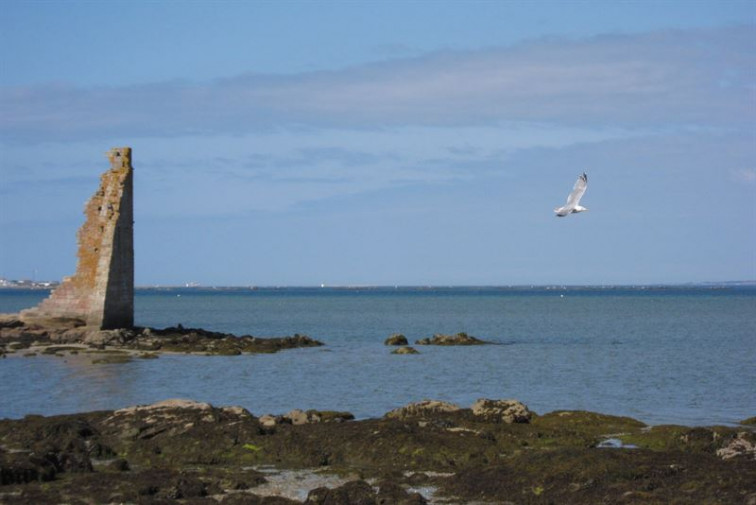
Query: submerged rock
column 405, row 350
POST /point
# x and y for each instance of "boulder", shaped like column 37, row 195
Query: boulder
column 505, row 411
column 422, row 409
column 297, row 417
column 269, row 420
column 405, row 350
column 458, row 339
column 396, row 339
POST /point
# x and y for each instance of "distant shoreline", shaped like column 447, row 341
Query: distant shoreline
column 439, row 287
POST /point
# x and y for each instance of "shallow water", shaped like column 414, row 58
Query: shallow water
column 672, row 355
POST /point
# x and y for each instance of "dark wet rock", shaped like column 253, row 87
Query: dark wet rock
column 184, row 486
column 118, row 465
column 458, row 339
column 252, row 499
column 181, row 451
column 20, row 468
column 396, row 339
column 360, row 492
column 391, row 493
column 357, row 492
column 422, row 409
column 405, row 350
column 504, row 411
column 577, row 476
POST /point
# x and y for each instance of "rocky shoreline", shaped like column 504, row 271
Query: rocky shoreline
column 17, row 336
column 496, row 451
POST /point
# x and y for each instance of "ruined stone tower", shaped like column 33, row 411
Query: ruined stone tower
column 100, row 294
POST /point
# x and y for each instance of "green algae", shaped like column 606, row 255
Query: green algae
column 252, row 447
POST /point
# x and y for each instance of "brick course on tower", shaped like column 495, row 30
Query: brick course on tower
column 100, row 294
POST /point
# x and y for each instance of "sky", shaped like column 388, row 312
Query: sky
column 298, row 143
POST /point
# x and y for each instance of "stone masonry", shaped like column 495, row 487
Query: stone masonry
column 100, row 295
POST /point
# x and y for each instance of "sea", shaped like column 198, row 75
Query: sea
column 660, row 354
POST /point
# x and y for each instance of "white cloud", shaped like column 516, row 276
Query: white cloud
column 683, row 77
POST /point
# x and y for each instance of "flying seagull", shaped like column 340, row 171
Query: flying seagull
column 573, row 201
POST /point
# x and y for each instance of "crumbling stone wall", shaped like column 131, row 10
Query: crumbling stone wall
column 101, row 292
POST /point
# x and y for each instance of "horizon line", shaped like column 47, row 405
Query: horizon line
column 437, row 286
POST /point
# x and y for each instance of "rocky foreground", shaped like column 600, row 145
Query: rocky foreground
column 72, row 336
column 499, row 452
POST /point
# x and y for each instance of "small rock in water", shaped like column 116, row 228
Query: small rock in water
column 396, row 339
column 458, row 339
column 405, row 350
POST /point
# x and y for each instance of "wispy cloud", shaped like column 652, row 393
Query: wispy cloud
column 744, row 175
column 666, row 78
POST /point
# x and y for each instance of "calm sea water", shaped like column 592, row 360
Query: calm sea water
column 661, row 355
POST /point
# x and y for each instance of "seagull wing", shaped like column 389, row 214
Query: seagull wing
column 577, row 191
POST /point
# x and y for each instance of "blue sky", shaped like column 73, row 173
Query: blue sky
column 383, row 143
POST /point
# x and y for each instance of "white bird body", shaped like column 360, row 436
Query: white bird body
column 573, row 200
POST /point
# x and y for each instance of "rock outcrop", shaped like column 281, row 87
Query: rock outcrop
column 504, row 411
column 15, row 335
column 422, row 409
